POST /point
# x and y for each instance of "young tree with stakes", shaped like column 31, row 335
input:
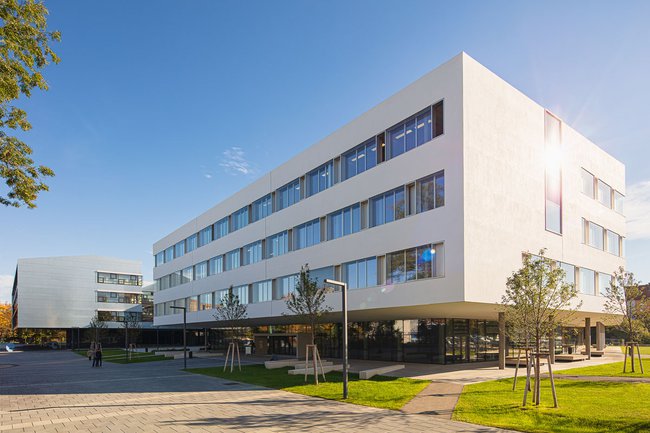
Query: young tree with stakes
column 231, row 311
column 308, row 303
column 537, row 301
column 97, row 328
column 623, row 297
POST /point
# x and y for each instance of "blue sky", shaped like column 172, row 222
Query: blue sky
column 160, row 109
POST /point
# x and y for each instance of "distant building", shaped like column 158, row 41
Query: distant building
column 65, row 293
column 424, row 205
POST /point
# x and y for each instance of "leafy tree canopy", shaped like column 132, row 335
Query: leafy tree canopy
column 24, row 53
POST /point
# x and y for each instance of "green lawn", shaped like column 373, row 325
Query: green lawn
column 380, row 391
column 585, row 407
column 614, row 369
column 118, row 356
column 645, row 350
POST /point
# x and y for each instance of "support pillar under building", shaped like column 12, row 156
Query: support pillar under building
column 502, row 341
column 588, row 337
column 600, row 336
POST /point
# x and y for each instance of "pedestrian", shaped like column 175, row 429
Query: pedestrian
column 94, row 355
column 91, row 351
column 99, row 355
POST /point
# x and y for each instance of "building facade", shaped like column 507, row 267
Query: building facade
column 66, row 293
column 424, row 205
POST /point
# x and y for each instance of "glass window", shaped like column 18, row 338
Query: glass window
column 306, row 235
column 179, row 249
column 618, row 202
column 396, row 141
column 425, row 194
column 121, row 279
column 240, row 218
column 253, row 253
column 603, row 283
column 232, row 260
column 261, row 208
column 335, row 225
column 371, row 153
column 425, row 256
column 423, row 127
column 569, row 273
column 187, row 275
column 191, row 243
column 376, row 211
column 286, row 285
column 613, row 243
column 587, row 283
column 351, row 275
column 320, row 179
column 288, row 195
column 596, row 233
column 438, row 127
column 389, row 207
column 169, row 254
column 371, row 272
column 587, row 183
column 221, row 228
column 242, row 293
column 440, row 189
column 350, row 164
column 604, row 193
column 159, row 258
column 205, row 236
column 320, row 274
column 395, row 267
column 205, row 301
column 356, row 218
column 215, row 265
column 277, row 244
column 262, row 291
column 200, row 270
column 219, row 296
column 192, row 303
column 409, row 135
column 400, row 204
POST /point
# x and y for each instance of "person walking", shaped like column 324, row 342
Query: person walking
column 94, row 354
column 91, row 351
column 99, row 355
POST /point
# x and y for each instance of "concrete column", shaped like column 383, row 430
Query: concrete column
column 551, row 348
column 261, row 345
column 502, row 341
column 303, row 339
column 600, row 336
column 588, row 337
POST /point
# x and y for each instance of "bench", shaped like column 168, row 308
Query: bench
column 512, row 360
column 310, row 370
column 570, row 358
column 281, row 363
column 595, row 352
column 289, row 363
column 367, row 374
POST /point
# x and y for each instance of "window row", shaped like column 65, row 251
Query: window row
column 601, row 238
column 598, row 190
column 122, row 279
column 587, row 281
column 119, row 298
column 404, row 136
column 426, row 261
column 119, row 316
column 419, row 196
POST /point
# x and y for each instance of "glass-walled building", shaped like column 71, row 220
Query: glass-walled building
column 424, row 206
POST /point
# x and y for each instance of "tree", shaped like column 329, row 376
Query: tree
column 6, row 331
column 623, row 297
column 537, row 301
column 132, row 326
column 97, row 328
column 230, row 311
column 24, row 53
column 308, row 300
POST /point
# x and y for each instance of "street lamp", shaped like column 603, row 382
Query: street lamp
column 184, row 333
column 344, row 311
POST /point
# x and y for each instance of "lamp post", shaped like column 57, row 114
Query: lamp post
column 344, row 312
column 184, row 333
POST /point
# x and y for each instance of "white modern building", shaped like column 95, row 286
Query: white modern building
column 424, row 205
column 67, row 292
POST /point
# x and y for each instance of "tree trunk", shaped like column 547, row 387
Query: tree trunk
column 537, row 370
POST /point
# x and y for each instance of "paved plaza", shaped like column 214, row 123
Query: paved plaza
column 60, row 392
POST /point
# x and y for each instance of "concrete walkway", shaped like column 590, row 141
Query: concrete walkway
column 60, row 392
column 438, row 399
